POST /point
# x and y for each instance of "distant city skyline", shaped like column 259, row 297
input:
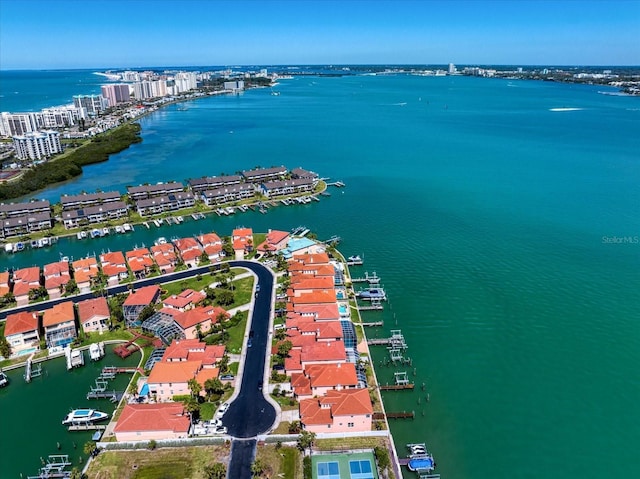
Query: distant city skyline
column 40, row 34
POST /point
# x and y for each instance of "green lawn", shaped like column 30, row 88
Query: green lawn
column 236, row 334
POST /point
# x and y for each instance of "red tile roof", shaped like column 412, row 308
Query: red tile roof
column 115, row 257
column 190, row 318
column 56, row 269
column 324, row 351
column 59, row 313
column 348, row 402
column 184, row 299
column 153, row 417
column 318, row 296
column 332, row 375
column 143, row 296
column 173, row 372
column 186, row 244
column 209, row 239
column 90, row 308
column 20, row 323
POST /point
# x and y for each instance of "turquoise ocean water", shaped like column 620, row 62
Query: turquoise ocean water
column 489, row 218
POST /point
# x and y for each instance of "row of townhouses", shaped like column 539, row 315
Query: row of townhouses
column 92, row 208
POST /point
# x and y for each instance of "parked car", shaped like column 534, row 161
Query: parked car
column 220, row 430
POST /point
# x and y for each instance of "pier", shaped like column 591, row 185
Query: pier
column 374, row 305
column 401, row 382
column 396, row 341
column 395, row 415
column 55, row 467
column 373, row 279
column 87, row 427
column 373, row 324
column 113, row 395
column 31, row 372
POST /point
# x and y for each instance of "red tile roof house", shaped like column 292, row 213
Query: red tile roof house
column 187, row 299
column 275, row 241
column 312, row 258
column 140, row 262
column 165, row 257
column 183, row 360
column 199, row 317
column 59, row 324
column 319, row 312
column 25, row 280
column 242, row 241
column 212, row 245
column 56, row 276
column 136, row 302
column 114, row 267
column 300, row 285
column 317, row 296
column 190, row 251
column 21, row 332
column 93, row 314
column 326, row 352
column 349, row 410
column 4, row 283
column 320, row 330
column 85, row 271
column 143, row 422
column 318, row 379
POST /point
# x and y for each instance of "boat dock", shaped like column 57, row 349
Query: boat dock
column 373, row 324
column 55, row 467
column 401, row 382
column 396, row 341
column 337, row 184
column 371, row 279
column 31, row 372
column 374, row 305
column 112, row 395
column 395, row 415
column 87, row 427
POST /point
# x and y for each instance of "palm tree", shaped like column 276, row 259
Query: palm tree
column 195, row 387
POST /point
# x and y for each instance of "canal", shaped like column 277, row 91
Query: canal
column 32, row 412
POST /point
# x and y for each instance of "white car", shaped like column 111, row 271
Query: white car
column 223, row 408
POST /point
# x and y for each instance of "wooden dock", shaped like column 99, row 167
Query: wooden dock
column 87, row 427
column 372, row 307
column 395, row 415
column 373, row 324
column 379, row 342
column 113, row 395
column 397, row 387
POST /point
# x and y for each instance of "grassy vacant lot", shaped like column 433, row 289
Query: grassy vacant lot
column 347, row 443
column 164, row 463
column 284, row 462
column 242, row 288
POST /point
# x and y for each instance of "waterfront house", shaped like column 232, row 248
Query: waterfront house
column 136, row 302
column 94, row 214
column 317, row 380
column 305, row 284
column 162, row 324
column 183, row 301
column 193, row 350
column 272, row 189
column 320, row 330
column 189, row 250
column 93, row 314
column 228, row 194
column 200, row 318
column 85, row 272
column 59, row 324
column 242, row 241
column 165, row 257
column 4, row 283
column 316, row 296
column 21, row 332
column 144, row 422
column 56, row 276
column 318, row 312
column 259, row 175
column 24, row 281
column 140, row 262
column 274, row 242
column 326, row 352
column 170, row 377
column 198, row 185
column 212, row 245
column 302, row 246
column 114, row 267
column 348, row 410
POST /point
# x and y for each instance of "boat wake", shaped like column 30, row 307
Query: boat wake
column 565, row 109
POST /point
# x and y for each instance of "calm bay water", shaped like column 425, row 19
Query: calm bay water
column 484, row 213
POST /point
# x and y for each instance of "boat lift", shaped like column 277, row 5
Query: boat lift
column 54, row 467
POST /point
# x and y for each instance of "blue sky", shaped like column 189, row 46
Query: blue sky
column 42, row 34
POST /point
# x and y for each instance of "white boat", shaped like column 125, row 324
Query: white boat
column 42, row 242
column 8, row 248
column 370, row 294
column 179, row 219
column 96, row 351
column 161, row 240
column 74, row 357
column 128, row 227
column 19, row 246
column 84, row 416
column 4, row 380
column 105, row 231
column 354, row 259
column 119, row 229
column 230, row 210
column 96, row 233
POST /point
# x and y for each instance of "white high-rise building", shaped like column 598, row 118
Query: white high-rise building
column 92, row 104
column 17, row 123
column 452, row 69
column 37, row 145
